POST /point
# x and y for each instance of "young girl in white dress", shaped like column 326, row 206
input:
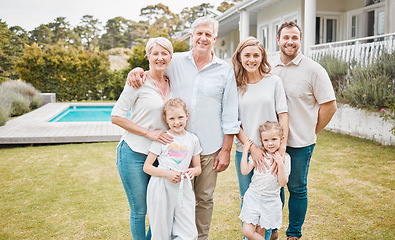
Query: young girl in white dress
column 170, row 197
column 262, row 207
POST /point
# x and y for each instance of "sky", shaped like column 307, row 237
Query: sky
column 29, row 14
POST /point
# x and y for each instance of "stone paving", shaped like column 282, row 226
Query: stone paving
column 35, row 128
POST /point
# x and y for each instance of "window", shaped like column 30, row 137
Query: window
column 275, row 27
column 367, row 21
column 380, row 22
column 354, row 24
column 326, row 29
column 331, row 30
column 264, row 37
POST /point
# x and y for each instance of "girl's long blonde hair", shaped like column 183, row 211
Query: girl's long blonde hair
column 240, row 72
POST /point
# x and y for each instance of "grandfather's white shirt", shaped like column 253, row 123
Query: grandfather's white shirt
column 210, row 95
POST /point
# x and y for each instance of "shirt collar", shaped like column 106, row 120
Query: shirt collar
column 214, row 60
column 295, row 61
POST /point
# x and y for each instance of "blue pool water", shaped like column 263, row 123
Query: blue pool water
column 85, row 114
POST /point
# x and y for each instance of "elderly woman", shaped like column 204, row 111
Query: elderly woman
column 145, row 125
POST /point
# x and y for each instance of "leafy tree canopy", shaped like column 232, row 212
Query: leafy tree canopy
column 12, row 42
column 225, row 5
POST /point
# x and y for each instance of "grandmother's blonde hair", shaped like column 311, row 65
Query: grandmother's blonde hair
column 164, row 42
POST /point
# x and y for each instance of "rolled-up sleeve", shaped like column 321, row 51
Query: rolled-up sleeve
column 230, row 123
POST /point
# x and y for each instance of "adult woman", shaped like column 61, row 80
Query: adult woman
column 146, row 125
column 261, row 98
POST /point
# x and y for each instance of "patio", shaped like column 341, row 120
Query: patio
column 35, row 128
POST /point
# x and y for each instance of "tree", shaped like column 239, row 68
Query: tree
column 53, row 32
column 179, row 46
column 73, row 74
column 225, row 5
column 138, row 59
column 61, row 30
column 189, row 15
column 115, row 33
column 21, row 33
column 42, row 35
column 135, row 32
column 12, row 44
column 88, row 31
column 161, row 19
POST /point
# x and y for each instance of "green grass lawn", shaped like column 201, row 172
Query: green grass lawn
column 73, row 191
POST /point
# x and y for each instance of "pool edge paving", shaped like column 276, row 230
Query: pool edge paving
column 34, row 128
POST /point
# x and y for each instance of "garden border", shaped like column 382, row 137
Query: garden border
column 361, row 123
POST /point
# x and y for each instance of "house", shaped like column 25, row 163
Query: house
column 347, row 28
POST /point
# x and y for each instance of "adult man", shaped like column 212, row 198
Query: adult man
column 311, row 105
column 208, row 87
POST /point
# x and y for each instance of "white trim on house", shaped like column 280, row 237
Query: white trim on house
column 263, row 34
column 325, row 17
column 266, row 14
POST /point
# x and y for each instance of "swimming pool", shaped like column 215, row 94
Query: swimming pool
column 85, row 114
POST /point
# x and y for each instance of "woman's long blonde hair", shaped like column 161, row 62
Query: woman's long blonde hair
column 240, row 72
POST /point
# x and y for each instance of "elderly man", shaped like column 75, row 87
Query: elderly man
column 207, row 85
column 311, row 105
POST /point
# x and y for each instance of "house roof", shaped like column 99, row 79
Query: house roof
column 230, row 18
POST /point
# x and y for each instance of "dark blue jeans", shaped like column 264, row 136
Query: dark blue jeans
column 297, row 187
column 135, row 181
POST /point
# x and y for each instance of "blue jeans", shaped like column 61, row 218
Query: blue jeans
column 244, row 183
column 297, row 187
column 135, row 181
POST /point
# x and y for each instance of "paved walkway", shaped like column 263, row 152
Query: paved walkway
column 34, row 127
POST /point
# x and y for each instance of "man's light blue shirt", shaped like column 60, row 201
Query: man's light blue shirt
column 210, row 95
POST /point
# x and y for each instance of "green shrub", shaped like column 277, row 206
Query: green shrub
column 389, row 115
column 3, row 115
column 5, row 107
column 16, row 98
column 36, row 101
column 73, row 74
column 19, row 104
column 26, row 90
column 372, row 86
column 116, row 84
column 337, row 70
column 138, row 59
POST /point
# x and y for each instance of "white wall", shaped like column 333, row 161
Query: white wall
column 231, row 42
column 276, row 14
column 361, row 123
column 331, row 6
column 354, row 4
